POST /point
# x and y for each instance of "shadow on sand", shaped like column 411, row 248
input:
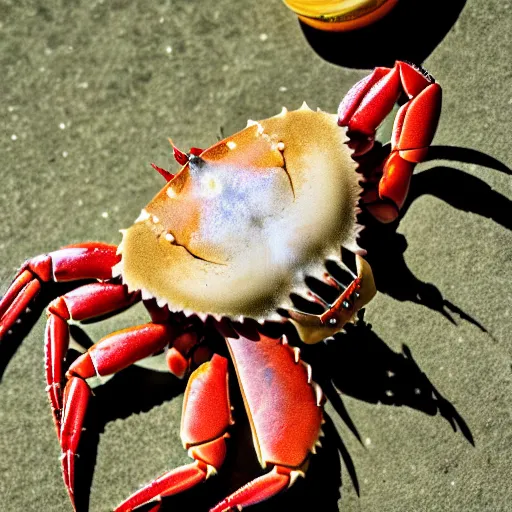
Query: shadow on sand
column 410, row 32
column 340, row 366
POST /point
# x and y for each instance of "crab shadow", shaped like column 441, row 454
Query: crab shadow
column 136, row 390
column 341, row 365
column 409, row 32
column 462, row 191
column 360, row 364
column 11, row 342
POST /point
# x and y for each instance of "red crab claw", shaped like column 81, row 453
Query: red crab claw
column 314, row 328
column 365, row 107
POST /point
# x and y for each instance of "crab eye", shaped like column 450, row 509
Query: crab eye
column 196, row 163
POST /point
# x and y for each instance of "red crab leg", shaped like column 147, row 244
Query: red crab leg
column 260, row 489
column 121, row 349
column 206, row 417
column 178, row 356
column 365, row 107
column 92, row 260
column 110, row 355
column 314, row 328
column 84, row 303
column 76, row 398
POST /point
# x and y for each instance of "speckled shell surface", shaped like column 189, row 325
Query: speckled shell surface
column 240, row 226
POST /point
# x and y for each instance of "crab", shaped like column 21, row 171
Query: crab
column 233, row 235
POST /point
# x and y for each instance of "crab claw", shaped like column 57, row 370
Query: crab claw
column 315, row 328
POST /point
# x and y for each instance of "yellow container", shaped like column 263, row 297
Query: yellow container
column 340, row 15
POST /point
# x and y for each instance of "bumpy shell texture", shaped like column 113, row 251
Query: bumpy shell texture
column 238, row 228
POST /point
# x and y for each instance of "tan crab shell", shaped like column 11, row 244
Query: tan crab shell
column 237, row 229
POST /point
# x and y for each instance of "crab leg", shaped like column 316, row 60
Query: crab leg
column 110, row 355
column 365, row 107
column 84, row 303
column 178, row 356
column 260, row 489
column 76, row 399
column 205, row 420
column 92, row 260
column 185, row 350
column 314, row 328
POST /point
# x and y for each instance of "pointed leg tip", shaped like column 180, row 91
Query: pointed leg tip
column 221, row 507
column 127, row 505
column 166, row 174
column 68, row 474
column 179, row 156
column 156, row 507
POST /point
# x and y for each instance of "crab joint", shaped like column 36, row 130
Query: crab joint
column 315, row 328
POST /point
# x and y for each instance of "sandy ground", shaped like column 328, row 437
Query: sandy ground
column 89, row 93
